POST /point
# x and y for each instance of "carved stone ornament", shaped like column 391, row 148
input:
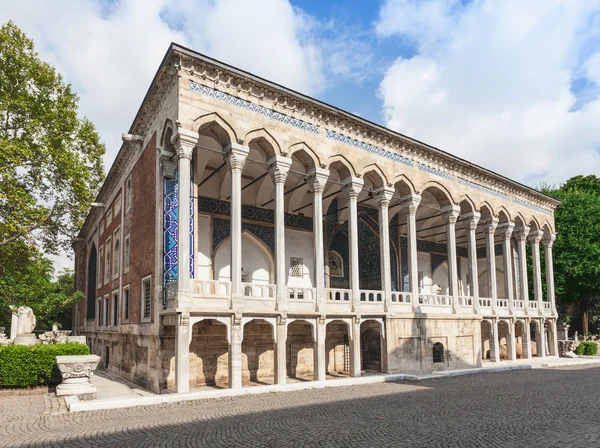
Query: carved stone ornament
column 76, row 372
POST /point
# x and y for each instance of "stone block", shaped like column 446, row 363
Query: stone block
column 76, row 373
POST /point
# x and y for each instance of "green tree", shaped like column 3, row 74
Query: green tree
column 577, row 246
column 55, row 307
column 50, row 160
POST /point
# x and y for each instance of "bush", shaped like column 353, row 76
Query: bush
column 587, row 348
column 24, row 366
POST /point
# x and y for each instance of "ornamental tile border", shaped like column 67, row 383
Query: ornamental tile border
column 306, row 126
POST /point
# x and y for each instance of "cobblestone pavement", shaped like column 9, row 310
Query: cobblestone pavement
column 547, row 408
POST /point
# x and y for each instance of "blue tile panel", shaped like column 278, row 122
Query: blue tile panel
column 251, row 213
column 269, row 113
column 382, row 152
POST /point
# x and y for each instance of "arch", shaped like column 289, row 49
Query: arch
column 439, row 278
column 305, row 155
column 371, row 344
column 265, row 140
column 300, row 342
column 547, row 228
column 441, row 194
column 437, row 353
column 208, row 345
column 467, row 205
column 375, row 174
column 255, row 254
column 306, row 321
column 342, row 166
column 486, row 210
column 403, row 185
column 167, row 135
column 503, row 215
column 534, row 224
column 258, row 351
column 520, row 220
column 269, row 320
column 218, row 127
column 92, row 278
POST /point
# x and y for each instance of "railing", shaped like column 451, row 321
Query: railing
column 367, row 295
column 518, row 304
column 465, row 301
column 532, row 305
column 502, row 303
column 547, row 306
column 301, row 294
column 485, row 302
column 212, row 288
column 259, row 290
column 433, row 299
column 401, row 297
column 337, row 295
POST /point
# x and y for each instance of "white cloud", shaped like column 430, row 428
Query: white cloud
column 491, row 82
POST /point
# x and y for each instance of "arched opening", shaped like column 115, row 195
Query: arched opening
column 437, row 353
column 92, row 277
column 440, row 279
column 520, row 339
column 300, row 351
column 486, row 335
column 371, row 346
column 209, row 354
column 337, row 349
column 504, row 340
column 258, row 353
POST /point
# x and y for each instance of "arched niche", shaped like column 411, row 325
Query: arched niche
column 257, row 260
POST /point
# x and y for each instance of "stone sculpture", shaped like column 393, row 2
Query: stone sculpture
column 25, row 325
column 77, row 371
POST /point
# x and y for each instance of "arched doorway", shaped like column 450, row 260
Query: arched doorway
column 486, row 336
column 505, row 341
column 371, row 346
column 91, row 284
column 209, row 354
column 258, row 353
column 521, row 340
column 337, row 349
column 300, row 351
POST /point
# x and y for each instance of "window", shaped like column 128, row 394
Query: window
column 146, row 297
column 101, row 227
column 296, row 266
column 100, row 266
column 108, row 217
column 107, row 262
column 336, row 264
column 128, row 195
column 126, row 252
column 99, row 313
column 126, row 303
column 115, row 309
column 116, row 254
column 117, row 206
column 106, row 311
column 438, row 352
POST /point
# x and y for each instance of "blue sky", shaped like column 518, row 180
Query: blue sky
column 511, row 85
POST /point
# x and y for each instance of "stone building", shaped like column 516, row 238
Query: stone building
column 247, row 233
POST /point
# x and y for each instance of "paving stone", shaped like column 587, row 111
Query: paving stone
column 550, row 408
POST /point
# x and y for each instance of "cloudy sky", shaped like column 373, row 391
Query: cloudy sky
column 511, row 85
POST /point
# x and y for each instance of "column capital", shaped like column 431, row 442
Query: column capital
column 548, row 240
column 506, row 229
column 184, row 142
column 472, row 219
column 317, row 180
column 279, row 168
column 521, row 233
column 490, row 224
column 235, row 155
column 411, row 202
column 450, row 213
column 384, row 195
column 536, row 236
column 353, row 186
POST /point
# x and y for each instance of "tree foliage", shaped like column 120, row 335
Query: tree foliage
column 50, row 160
column 577, row 247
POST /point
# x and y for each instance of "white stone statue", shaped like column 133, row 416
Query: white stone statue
column 25, row 320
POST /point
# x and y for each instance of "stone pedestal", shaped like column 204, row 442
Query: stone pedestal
column 76, row 372
column 563, row 332
column 566, row 349
column 26, row 339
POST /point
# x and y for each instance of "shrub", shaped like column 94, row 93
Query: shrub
column 23, row 365
column 587, row 348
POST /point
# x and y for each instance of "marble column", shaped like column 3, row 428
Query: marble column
column 526, row 337
column 511, row 342
column 184, row 141
column 521, row 237
column 548, row 242
column 278, row 169
column 494, row 342
column 506, row 233
column 235, row 352
column 182, row 354
column 235, row 155
column 450, row 215
column 490, row 253
column 534, row 239
column 411, row 202
column 281, row 345
column 355, row 361
column 540, row 338
column 352, row 188
column 320, row 356
column 383, row 202
column 317, row 181
column 472, row 219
